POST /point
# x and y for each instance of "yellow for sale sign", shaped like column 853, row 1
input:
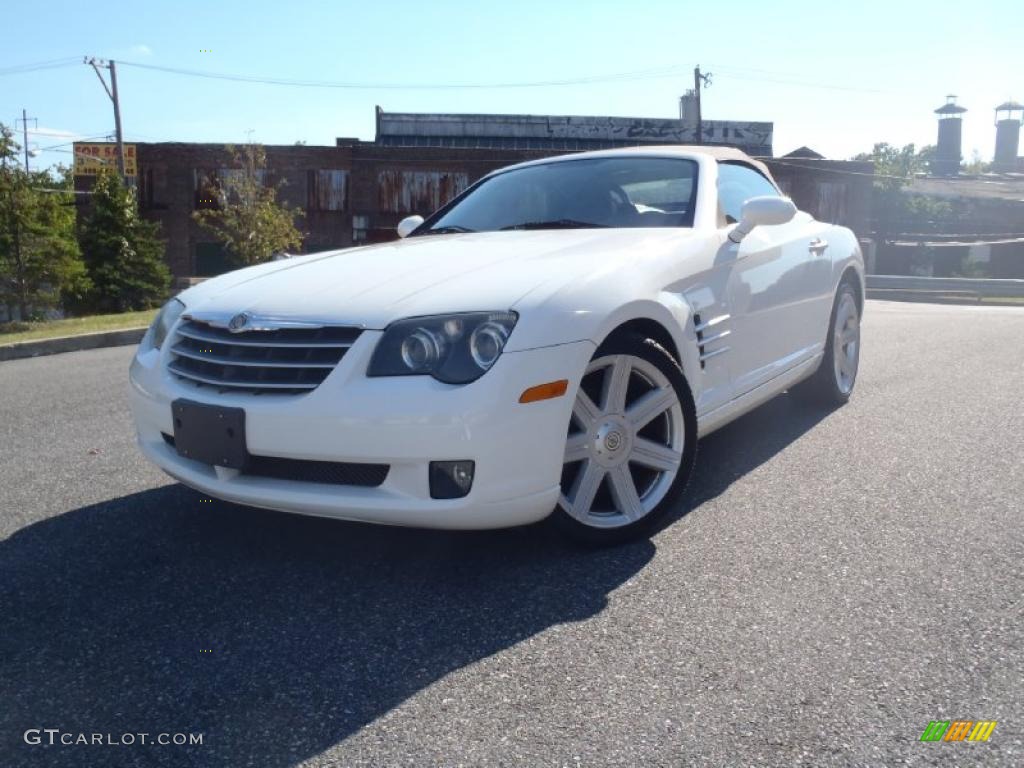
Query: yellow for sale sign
column 90, row 158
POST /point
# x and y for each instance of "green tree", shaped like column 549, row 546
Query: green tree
column 250, row 221
column 895, row 166
column 40, row 264
column 123, row 252
column 976, row 166
column 894, row 210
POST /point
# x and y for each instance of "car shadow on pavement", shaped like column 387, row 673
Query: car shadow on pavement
column 731, row 452
column 277, row 636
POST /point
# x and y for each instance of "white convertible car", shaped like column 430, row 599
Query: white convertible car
column 552, row 341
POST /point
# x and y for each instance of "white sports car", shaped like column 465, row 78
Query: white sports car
column 552, row 341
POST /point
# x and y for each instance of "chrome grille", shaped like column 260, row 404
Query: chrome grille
column 279, row 361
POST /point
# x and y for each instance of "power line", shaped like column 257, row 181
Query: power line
column 108, row 136
column 738, row 73
column 55, row 134
column 55, row 147
column 755, row 70
column 18, row 69
column 353, row 85
column 653, row 73
column 798, row 83
column 806, row 167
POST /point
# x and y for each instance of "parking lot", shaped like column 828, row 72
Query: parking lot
column 835, row 581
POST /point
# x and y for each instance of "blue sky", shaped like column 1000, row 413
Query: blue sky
column 835, row 76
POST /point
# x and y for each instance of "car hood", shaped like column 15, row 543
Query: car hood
column 375, row 285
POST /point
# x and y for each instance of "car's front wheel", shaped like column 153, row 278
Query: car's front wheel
column 631, row 443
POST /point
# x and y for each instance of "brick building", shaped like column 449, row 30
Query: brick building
column 356, row 191
column 351, row 193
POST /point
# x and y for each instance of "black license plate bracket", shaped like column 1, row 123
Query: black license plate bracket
column 212, row 434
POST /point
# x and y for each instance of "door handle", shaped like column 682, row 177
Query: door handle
column 817, row 246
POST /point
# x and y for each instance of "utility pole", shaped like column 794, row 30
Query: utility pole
column 117, row 120
column 700, row 79
column 97, row 65
column 24, row 127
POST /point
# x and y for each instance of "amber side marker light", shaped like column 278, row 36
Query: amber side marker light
column 545, row 391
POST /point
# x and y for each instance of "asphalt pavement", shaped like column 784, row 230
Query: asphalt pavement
column 834, row 582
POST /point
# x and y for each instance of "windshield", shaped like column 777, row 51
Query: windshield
column 577, row 194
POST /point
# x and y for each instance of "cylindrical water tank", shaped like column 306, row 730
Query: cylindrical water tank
column 1008, row 118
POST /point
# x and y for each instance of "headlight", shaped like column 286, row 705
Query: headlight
column 455, row 349
column 162, row 324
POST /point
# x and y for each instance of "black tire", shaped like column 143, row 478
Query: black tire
column 636, row 346
column 824, row 386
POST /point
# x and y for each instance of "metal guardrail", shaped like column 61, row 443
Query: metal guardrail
column 900, row 286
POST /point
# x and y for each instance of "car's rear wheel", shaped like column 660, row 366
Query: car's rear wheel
column 631, row 443
column 833, row 382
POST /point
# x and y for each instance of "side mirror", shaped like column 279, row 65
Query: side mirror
column 762, row 212
column 408, row 224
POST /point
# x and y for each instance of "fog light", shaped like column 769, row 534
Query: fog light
column 450, row 479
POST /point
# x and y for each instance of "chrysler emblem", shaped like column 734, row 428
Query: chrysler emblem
column 238, row 322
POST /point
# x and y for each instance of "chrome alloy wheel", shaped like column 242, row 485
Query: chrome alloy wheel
column 846, row 343
column 625, row 443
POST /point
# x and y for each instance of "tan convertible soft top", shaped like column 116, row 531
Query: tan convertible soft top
column 728, row 153
column 721, row 154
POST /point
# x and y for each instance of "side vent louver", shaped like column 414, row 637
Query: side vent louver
column 709, row 333
column 700, row 337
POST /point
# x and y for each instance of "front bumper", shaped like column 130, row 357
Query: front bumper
column 405, row 422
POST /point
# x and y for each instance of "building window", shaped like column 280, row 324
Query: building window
column 231, row 178
column 327, row 190
column 206, row 190
column 360, row 226
column 145, row 188
column 214, row 186
column 421, row 192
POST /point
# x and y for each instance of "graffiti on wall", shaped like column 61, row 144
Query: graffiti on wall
column 655, row 130
column 574, row 128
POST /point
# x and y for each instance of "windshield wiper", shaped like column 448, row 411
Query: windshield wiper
column 448, row 230
column 555, row 224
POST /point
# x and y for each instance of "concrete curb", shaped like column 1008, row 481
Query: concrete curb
column 21, row 349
